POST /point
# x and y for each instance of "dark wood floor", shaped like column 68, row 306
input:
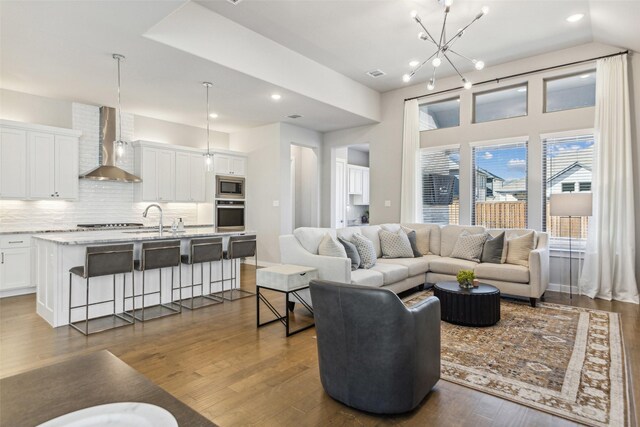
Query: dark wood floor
column 217, row 361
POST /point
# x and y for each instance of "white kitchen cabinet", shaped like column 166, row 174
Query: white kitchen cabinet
column 224, row 164
column 156, row 168
column 190, row 177
column 13, row 164
column 355, row 179
column 15, row 262
column 38, row 162
column 365, row 186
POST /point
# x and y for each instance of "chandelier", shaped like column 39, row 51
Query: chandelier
column 444, row 47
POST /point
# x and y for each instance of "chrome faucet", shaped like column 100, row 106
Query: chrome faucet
column 154, row 205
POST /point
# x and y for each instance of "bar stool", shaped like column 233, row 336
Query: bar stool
column 156, row 256
column 202, row 251
column 102, row 261
column 239, row 247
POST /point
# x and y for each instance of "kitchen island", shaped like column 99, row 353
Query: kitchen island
column 56, row 253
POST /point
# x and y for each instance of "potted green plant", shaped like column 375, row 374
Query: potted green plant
column 465, row 278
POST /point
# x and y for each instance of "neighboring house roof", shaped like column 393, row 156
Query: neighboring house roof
column 512, row 186
column 573, row 166
column 489, row 174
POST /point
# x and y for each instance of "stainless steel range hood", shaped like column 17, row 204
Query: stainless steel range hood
column 108, row 171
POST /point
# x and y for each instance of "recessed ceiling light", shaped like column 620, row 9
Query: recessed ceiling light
column 575, row 18
column 585, row 76
column 213, row 115
column 276, row 96
column 414, row 64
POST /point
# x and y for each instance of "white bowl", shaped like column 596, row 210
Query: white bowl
column 122, row 414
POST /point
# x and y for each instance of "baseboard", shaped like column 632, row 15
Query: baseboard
column 16, row 292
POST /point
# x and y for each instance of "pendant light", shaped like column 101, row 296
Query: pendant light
column 208, row 157
column 119, row 142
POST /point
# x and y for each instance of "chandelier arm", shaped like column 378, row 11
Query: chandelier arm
column 423, row 62
column 444, row 24
column 451, row 63
column 431, row 39
column 460, row 55
column 458, row 33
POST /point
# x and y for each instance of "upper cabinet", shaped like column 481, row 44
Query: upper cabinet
column 169, row 173
column 38, row 162
column 225, row 164
column 358, row 185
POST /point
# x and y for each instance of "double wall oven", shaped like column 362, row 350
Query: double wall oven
column 229, row 204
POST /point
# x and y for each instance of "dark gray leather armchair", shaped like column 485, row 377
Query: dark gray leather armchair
column 375, row 354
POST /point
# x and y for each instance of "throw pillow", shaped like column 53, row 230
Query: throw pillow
column 422, row 240
column 331, row 247
column 518, row 249
column 411, row 234
column 366, row 250
column 352, row 253
column 469, row 246
column 395, row 245
column 493, row 248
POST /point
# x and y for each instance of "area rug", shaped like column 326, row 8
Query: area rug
column 567, row 361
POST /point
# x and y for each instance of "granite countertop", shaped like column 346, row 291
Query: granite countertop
column 21, row 229
column 132, row 235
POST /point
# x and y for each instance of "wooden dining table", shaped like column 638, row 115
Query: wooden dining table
column 39, row 395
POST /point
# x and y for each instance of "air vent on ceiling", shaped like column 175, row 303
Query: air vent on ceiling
column 294, row 116
column 376, row 73
column 234, row 1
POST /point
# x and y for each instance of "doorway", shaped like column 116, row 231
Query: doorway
column 350, row 190
column 304, row 187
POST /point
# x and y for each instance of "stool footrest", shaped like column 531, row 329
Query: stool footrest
column 200, row 301
column 101, row 324
column 154, row 311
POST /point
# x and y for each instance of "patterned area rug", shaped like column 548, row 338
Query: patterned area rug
column 564, row 360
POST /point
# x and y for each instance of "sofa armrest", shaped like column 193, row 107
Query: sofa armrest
column 329, row 268
column 539, row 271
column 426, row 321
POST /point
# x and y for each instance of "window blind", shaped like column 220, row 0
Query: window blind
column 567, row 168
column 440, row 171
column 500, row 185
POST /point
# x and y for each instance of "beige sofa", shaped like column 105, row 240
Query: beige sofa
column 401, row 274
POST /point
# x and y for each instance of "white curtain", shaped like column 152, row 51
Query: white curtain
column 609, row 267
column 409, row 197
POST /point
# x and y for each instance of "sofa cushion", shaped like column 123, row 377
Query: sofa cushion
column 415, row 265
column 391, row 273
column 449, row 236
column 310, row 237
column 469, row 246
column 352, row 253
column 503, row 272
column 411, row 234
column 395, row 245
column 367, row 278
column 371, row 233
column 427, row 237
column 518, row 249
column 365, row 249
column 493, row 249
column 329, row 246
column 347, row 232
column 446, row 265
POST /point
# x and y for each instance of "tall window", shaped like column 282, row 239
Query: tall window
column 567, row 166
column 568, row 92
column 440, row 170
column 500, row 104
column 500, row 185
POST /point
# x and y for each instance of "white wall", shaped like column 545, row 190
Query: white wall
column 357, row 157
column 150, row 129
column 305, row 186
column 23, row 107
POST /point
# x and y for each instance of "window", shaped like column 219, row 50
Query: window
column 440, row 170
column 500, row 104
column 567, row 165
column 568, row 92
column 500, row 185
column 440, row 114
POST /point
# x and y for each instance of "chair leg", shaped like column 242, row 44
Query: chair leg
column 70, row 288
column 86, row 311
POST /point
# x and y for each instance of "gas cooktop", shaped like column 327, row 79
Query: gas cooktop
column 112, row 225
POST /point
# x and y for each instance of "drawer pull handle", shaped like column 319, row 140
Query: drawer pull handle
column 302, row 274
column 17, row 241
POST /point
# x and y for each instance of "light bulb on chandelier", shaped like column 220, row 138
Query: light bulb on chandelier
column 436, row 62
column 406, row 78
column 478, row 64
column 467, row 84
column 431, row 85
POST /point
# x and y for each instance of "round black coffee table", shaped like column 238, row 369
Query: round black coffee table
column 469, row 307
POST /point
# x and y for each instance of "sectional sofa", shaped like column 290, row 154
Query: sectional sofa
column 401, row 274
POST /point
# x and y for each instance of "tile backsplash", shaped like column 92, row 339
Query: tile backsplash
column 99, row 201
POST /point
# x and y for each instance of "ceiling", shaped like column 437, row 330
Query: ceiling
column 66, row 52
